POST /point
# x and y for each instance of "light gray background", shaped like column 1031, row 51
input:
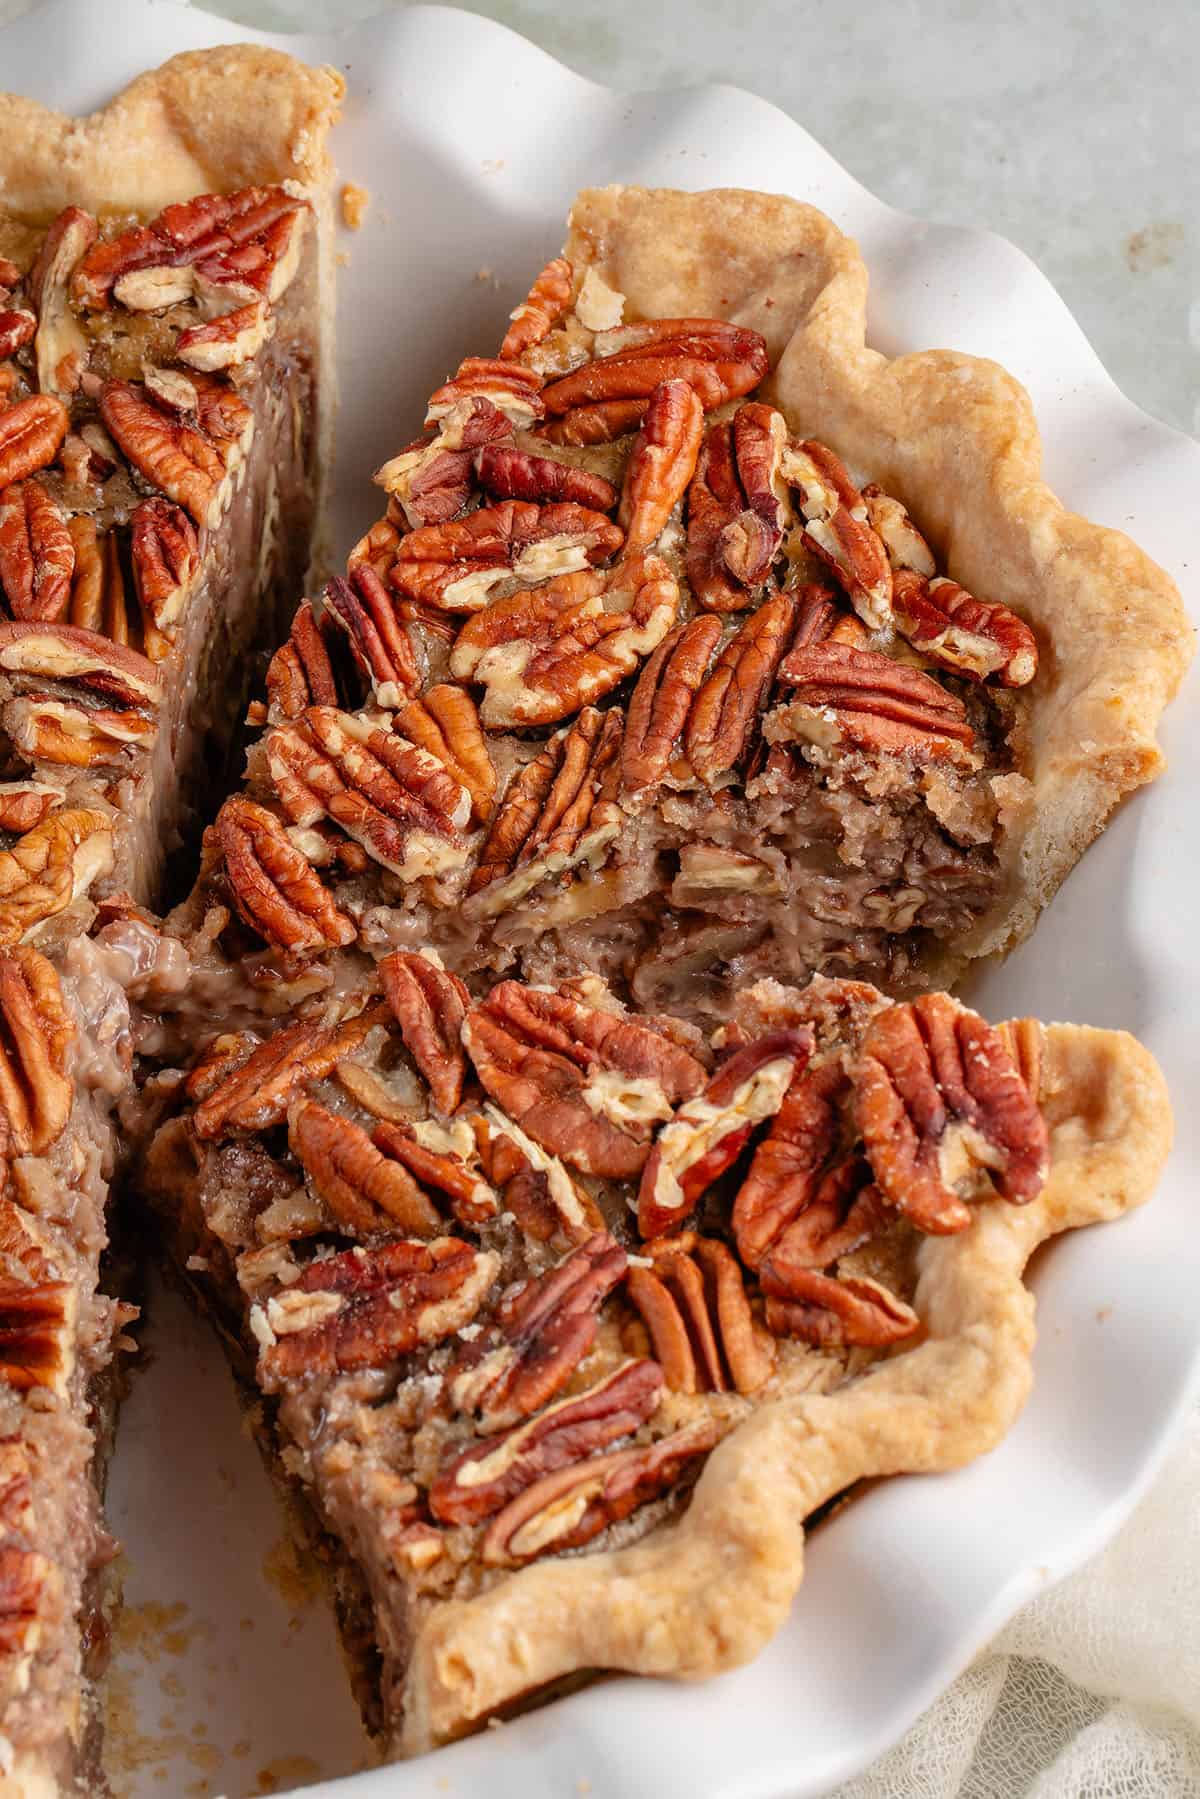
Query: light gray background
column 1071, row 126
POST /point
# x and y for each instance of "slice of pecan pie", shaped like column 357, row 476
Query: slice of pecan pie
column 698, row 641
column 162, row 267
column 567, row 1316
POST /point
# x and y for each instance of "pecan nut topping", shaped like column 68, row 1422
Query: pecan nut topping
column 430, row 483
column 37, row 556
column 567, row 1509
column 738, row 507
column 395, row 800
column 708, row 1133
column 178, row 458
column 36, row 1037
column 302, row 673
column 445, row 1159
column 585, row 1084
column 226, row 341
column 889, row 519
column 541, row 656
column 379, row 642
column 548, row 1205
column 48, row 730
column 274, row 887
column 31, row 434
column 80, row 660
column 49, row 867
column 968, row 636
column 838, row 1313
column 245, row 243
column 17, row 328
column 508, row 473
column 457, row 564
column 165, row 553
column 719, row 361
column 662, row 701
column 430, row 1005
column 660, row 464
column 846, row 1211
column 365, row 1189
column 557, row 813
column 479, row 1480
column 597, row 424
column 724, row 714
column 24, row 804
column 61, row 347
column 944, row 1113
column 540, row 310
column 788, row 1163
column 1024, row 1040
column 693, row 1303
column 513, row 390
column 99, row 593
column 836, row 527
column 38, row 1311
column 540, row 1334
column 368, row 1307
column 865, row 701
column 251, row 1091
column 445, row 722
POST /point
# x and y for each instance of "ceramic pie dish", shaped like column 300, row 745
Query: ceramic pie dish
column 583, row 1706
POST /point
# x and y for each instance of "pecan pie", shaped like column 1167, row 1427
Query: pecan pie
column 697, row 642
column 161, row 335
column 567, row 1316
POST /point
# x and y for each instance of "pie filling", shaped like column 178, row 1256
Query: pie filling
column 156, row 506
column 631, row 679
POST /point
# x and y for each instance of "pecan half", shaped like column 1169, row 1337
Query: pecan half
column 889, row 519
column 49, row 867
column 513, row 390
column 430, row 1005
column 836, row 1313
column 557, row 813
column 178, row 458
column 858, row 699
column 227, row 341
column 541, row 656
column 31, row 434
column 737, row 509
column 431, row 479
column 548, row 1205
column 24, row 804
column 165, row 553
column 17, row 328
column 368, row 1307
column 837, row 529
column 598, row 424
column 787, row 1165
column 567, row 1509
column 252, row 1092
column 507, row 473
column 392, row 798
column 61, row 348
column 71, row 736
column 79, row 659
column 479, row 1480
column 694, row 1305
column 719, row 361
column 661, row 462
column 846, row 1211
column 37, row 1310
column 246, row 243
column 379, row 642
column 274, row 887
column 662, row 701
column 302, row 673
column 586, row 1084
column 37, row 556
column 99, row 595
column 723, row 716
column 445, row 722
column 36, row 1037
column 968, row 636
column 540, row 1334
column 708, row 1134
column 944, row 1113
column 540, row 310
column 445, row 1161
column 456, row 565
column 1024, row 1039
column 363, row 1188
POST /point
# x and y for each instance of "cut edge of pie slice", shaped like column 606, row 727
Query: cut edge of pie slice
column 512, row 1272
column 163, row 264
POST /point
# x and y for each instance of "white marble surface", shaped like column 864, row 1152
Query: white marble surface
column 1071, row 128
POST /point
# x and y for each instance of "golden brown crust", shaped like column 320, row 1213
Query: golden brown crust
column 956, row 438
column 705, row 1593
column 206, row 120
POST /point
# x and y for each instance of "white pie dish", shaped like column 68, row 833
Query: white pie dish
column 472, row 144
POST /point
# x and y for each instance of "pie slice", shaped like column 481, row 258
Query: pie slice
column 567, row 1316
column 163, row 330
column 698, row 642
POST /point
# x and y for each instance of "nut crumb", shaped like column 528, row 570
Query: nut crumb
column 355, row 201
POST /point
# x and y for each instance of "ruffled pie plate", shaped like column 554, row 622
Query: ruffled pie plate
column 472, row 144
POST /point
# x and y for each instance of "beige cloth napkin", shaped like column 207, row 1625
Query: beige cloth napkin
column 1093, row 1691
